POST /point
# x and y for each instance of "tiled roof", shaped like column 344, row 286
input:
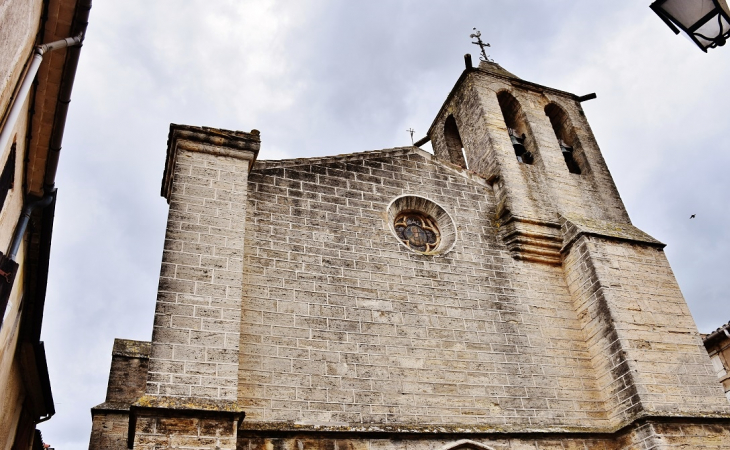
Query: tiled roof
column 716, row 335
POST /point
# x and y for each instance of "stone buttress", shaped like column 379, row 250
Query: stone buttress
column 191, row 391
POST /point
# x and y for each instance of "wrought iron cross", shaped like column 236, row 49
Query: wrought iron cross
column 411, row 130
column 478, row 34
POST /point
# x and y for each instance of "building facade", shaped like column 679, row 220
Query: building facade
column 492, row 295
column 40, row 43
column 718, row 347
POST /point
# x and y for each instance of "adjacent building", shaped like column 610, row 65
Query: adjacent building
column 491, row 295
column 718, row 347
column 40, row 43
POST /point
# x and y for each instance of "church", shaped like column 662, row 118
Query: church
column 491, row 295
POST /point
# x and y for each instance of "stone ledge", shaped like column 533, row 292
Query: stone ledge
column 131, row 349
column 187, row 404
column 450, row 429
column 575, row 226
column 114, row 407
column 406, row 428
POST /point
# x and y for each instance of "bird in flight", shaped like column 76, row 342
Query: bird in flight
column 692, row 216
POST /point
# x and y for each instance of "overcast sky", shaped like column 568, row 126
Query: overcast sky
column 327, row 77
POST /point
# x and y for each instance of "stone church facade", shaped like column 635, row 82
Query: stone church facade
column 492, row 295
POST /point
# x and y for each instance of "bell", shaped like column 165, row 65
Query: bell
column 568, row 156
column 517, row 142
column 519, row 148
column 565, row 148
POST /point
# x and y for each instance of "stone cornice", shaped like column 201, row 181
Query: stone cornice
column 131, row 349
column 404, row 430
column 214, row 141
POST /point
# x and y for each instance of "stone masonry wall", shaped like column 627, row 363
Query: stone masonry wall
column 109, row 430
column 197, row 320
column 127, row 382
column 171, row 431
column 342, row 324
column 634, row 313
column 128, row 374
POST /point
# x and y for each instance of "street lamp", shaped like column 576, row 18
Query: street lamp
column 706, row 22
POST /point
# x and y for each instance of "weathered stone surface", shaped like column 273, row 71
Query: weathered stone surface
column 196, row 332
column 549, row 322
column 646, row 436
column 170, row 430
column 127, row 383
column 343, row 324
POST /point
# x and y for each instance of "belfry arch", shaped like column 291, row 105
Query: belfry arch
column 454, row 144
column 517, row 127
column 567, row 139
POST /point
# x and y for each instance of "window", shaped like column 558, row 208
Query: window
column 421, row 225
column 418, row 231
column 517, row 127
column 453, row 143
column 569, row 158
column 518, row 143
column 566, row 137
column 7, row 178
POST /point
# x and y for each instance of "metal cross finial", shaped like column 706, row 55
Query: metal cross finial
column 478, row 34
column 411, row 130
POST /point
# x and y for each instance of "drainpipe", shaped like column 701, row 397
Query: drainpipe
column 8, row 263
column 57, row 133
column 28, row 82
column 64, row 99
column 23, row 222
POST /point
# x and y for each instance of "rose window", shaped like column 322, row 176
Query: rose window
column 418, row 231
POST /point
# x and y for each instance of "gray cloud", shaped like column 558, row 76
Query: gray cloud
column 326, row 77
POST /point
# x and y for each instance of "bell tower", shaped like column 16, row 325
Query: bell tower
column 557, row 205
column 535, row 147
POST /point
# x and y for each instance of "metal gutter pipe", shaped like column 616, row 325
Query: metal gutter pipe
column 23, row 222
column 35, row 63
column 59, row 123
column 10, row 125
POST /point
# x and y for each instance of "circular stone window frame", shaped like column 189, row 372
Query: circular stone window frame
column 422, row 205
